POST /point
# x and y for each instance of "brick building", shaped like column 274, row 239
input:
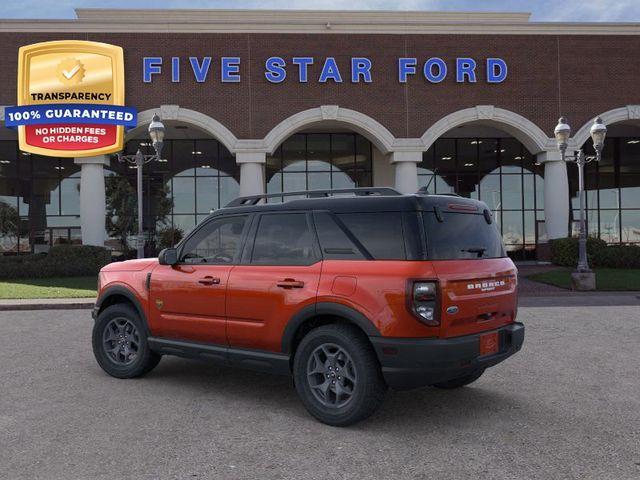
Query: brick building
column 277, row 101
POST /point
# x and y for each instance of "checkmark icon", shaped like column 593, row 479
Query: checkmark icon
column 71, row 73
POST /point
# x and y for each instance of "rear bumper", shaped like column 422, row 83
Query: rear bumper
column 411, row 363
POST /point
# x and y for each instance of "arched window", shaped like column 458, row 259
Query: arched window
column 314, row 161
column 498, row 171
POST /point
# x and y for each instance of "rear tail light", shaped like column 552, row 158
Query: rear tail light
column 423, row 302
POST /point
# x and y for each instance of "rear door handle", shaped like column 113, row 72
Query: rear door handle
column 290, row 283
column 208, row 280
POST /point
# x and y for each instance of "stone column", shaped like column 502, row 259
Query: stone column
column 251, row 172
column 92, row 199
column 406, row 168
column 556, row 194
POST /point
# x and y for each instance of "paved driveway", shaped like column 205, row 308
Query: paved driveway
column 568, row 406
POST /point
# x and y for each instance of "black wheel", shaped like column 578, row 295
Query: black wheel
column 460, row 381
column 120, row 343
column 337, row 375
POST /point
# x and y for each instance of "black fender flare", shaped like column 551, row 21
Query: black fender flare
column 325, row 308
column 129, row 295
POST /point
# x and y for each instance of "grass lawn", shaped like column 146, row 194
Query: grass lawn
column 607, row 279
column 70, row 287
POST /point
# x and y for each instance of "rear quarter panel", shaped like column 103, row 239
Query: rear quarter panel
column 378, row 290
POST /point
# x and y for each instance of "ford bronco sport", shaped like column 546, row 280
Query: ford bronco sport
column 348, row 294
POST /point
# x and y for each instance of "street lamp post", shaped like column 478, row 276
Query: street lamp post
column 156, row 133
column 562, row 133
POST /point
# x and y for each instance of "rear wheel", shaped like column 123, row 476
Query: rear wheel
column 460, row 381
column 120, row 343
column 337, row 375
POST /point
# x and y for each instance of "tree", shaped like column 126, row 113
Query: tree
column 122, row 208
column 9, row 221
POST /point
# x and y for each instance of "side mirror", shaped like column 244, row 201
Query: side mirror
column 168, row 256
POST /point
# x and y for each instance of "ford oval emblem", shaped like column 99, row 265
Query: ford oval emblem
column 452, row 310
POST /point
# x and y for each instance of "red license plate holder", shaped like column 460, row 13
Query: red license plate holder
column 489, row 343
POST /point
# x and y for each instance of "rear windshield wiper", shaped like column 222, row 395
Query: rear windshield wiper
column 478, row 250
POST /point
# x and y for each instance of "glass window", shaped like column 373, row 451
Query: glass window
column 318, row 152
column 8, row 159
column 490, row 192
column 629, row 155
column 461, row 236
column 216, row 242
column 512, row 228
column 294, row 153
column 313, row 161
column 610, row 226
column 467, row 154
column 183, row 154
column 70, row 196
column 380, row 233
column 283, row 239
column 183, row 190
column 511, row 155
column 487, row 156
column 186, row 223
column 207, row 198
column 334, row 242
column 445, row 156
column 631, row 226
column 512, row 192
column 630, row 190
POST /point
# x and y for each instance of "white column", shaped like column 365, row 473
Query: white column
column 556, row 194
column 93, row 207
column 251, row 172
column 406, row 167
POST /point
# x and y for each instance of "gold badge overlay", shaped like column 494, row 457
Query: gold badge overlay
column 76, row 67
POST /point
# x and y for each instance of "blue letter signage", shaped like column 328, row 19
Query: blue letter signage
column 429, row 70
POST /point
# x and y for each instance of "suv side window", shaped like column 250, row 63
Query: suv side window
column 380, row 233
column 335, row 243
column 217, row 242
column 284, row 239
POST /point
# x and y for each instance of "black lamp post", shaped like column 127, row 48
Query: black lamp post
column 156, row 133
column 562, row 133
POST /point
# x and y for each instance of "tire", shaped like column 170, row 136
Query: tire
column 357, row 390
column 130, row 356
column 460, row 381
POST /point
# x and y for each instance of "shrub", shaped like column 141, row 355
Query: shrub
column 61, row 261
column 564, row 252
column 618, row 256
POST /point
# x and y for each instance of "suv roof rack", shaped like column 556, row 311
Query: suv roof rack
column 359, row 192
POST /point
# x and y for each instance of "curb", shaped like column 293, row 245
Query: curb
column 77, row 305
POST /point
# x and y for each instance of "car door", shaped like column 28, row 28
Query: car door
column 188, row 299
column 278, row 275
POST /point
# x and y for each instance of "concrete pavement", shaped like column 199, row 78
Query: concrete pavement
column 567, row 406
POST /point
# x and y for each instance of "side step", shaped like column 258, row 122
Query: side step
column 259, row 360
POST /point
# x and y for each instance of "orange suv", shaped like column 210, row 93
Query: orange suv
column 348, row 294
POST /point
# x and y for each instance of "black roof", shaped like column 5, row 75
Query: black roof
column 387, row 202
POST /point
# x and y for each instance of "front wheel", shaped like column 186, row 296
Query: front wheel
column 460, row 381
column 120, row 345
column 337, row 375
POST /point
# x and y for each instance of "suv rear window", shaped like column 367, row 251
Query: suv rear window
column 461, row 236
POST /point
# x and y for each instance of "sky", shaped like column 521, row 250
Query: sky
column 542, row 10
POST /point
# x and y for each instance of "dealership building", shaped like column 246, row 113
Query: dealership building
column 277, row 101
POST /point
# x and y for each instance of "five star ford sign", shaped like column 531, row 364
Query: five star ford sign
column 70, row 99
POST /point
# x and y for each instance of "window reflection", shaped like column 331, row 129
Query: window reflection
column 498, row 171
column 612, row 191
column 319, row 161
